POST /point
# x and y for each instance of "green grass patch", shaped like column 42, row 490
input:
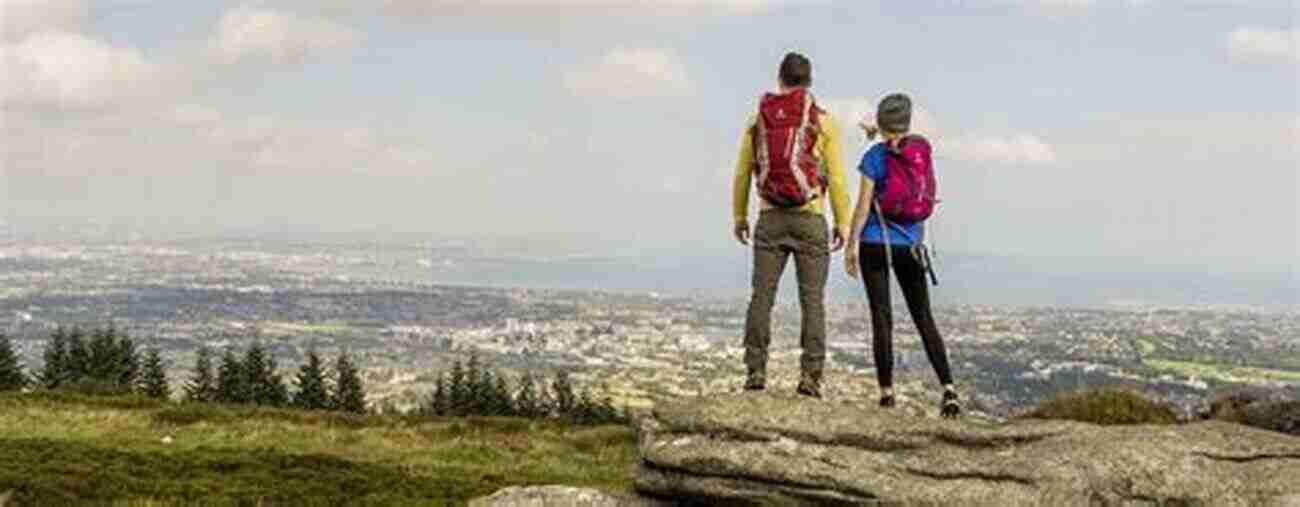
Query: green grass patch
column 193, row 413
column 64, row 449
column 64, row 398
column 1105, row 407
column 1224, row 372
column 47, row 472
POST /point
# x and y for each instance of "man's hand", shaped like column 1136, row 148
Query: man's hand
column 851, row 263
column 841, row 236
column 741, row 232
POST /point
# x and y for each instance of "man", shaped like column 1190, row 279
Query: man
column 790, row 152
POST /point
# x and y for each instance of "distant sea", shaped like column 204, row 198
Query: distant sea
column 962, row 280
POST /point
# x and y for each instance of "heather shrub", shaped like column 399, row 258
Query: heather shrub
column 1107, row 407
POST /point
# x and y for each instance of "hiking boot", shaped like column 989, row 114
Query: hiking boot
column 809, row 389
column 810, row 385
column 887, row 401
column 950, row 409
column 755, row 381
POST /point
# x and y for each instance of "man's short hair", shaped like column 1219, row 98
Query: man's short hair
column 796, row 70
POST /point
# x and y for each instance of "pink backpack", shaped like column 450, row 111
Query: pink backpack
column 909, row 193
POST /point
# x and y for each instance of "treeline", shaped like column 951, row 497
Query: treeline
column 473, row 389
column 254, row 378
column 106, row 361
column 101, row 361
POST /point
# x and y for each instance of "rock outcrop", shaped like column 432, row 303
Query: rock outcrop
column 758, row 448
column 1261, row 408
column 560, row 496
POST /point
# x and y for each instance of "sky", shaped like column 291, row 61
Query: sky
column 1130, row 131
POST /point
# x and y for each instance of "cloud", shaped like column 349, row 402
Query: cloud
column 1263, row 45
column 1016, row 148
column 289, row 146
column 551, row 9
column 848, row 112
column 192, row 115
column 71, row 71
column 1044, row 7
column 630, row 73
column 1062, row 8
column 1021, row 149
column 248, row 34
column 22, row 18
column 1189, row 137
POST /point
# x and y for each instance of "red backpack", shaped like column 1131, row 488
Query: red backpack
column 785, row 135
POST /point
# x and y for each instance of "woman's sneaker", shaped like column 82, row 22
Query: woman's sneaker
column 950, row 409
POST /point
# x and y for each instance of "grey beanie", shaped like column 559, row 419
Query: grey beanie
column 894, row 114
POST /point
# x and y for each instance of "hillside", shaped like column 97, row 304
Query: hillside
column 63, row 448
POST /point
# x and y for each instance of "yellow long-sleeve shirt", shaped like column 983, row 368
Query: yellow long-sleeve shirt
column 828, row 151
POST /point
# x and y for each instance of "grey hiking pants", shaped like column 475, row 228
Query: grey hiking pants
column 779, row 234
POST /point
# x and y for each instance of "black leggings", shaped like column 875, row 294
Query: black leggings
column 911, row 277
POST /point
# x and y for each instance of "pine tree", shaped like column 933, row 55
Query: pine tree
column 545, row 400
column 583, row 409
column 55, row 371
column 260, row 378
column 440, row 401
column 458, row 391
column 106, row 364
column 312, row 393
column 607, row 413
column 154, row 378
column 127, row 370
column 253, row 367
column 12, row 377
column 349, row 393
column 484, row 402
column 565, row 400
column 502, row 403
column 473, row 402
column 102, row 362
column 526, row 401
column 274, row 389
column 78, row 359
column 231, row 384
column 202, row 386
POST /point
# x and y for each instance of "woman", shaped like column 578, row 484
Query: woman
column 893, row 121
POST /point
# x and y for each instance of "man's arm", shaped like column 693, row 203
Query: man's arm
column 740, row 187
column 833, row 158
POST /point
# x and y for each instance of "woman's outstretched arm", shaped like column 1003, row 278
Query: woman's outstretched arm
column 866, row 190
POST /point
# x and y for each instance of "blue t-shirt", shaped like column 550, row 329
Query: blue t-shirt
column 873, row 167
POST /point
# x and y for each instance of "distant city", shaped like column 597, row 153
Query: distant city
column 638, row 330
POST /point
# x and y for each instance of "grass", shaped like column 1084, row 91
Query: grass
column 1223, row 372
column 1105, row 407
column 64, row 448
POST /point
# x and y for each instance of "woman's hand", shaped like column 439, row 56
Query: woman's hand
column 868, row 126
